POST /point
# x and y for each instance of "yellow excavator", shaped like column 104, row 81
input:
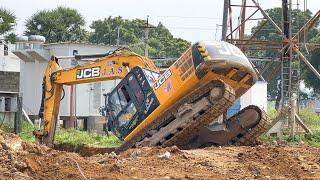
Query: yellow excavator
column 183, row 106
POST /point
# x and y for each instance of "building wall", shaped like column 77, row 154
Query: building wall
column 31, row 76
column 317, row 106
column 9, row 70
column 88, row 97
column 313, row 104
column 10, row 62
column 9, row 81
column 257, row 95
column 9, row 86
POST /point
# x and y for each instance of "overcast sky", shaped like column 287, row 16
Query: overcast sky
column 189, row 19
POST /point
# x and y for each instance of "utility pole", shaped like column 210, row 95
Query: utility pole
column 217, row 28
column 146, row 31
column 118, row 39
column 146, row 38
column 215, row 35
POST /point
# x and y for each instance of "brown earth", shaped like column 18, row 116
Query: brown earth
column 20, row 160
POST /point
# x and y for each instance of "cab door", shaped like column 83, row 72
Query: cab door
column 130, row 103
column 131, row 99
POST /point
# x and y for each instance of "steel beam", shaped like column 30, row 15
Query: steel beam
column 225, row 20
column 242, row 23
column 289, row 40
column 304, row 59
column 308, row 25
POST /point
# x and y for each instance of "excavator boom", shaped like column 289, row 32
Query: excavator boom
column 113, row 65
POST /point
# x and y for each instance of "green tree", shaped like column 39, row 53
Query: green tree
column 161, row 42
column 309, row 77
column 106, row 31
column 60, row 24
column 11, row 37
column 7, row 21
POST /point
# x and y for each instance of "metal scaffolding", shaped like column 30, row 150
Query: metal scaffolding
column 287, row 55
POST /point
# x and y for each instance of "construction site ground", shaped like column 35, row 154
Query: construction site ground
column 21, row 160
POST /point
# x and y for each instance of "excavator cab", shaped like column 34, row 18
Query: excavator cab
column 131, row 101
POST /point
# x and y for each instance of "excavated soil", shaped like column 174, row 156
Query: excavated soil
column 20, row 160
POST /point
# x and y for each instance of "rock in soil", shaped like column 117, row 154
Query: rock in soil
column 135, row 153
column 166, row 155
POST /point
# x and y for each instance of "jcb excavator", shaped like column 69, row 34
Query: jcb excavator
column 182, row 106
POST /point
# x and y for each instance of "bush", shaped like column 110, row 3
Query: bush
column 78, row 138
column 73, row 137
column 309, row 117
column 26, row 133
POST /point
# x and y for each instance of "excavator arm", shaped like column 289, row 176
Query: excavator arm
column 112, row 65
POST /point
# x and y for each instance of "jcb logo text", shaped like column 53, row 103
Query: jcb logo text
column 88, row 73
column 162, row 79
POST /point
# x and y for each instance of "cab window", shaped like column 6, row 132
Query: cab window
column 124, row 96
column 127, row 114
column 137, row 91
column 151, row 76
column 115, row 102
column 128, row 102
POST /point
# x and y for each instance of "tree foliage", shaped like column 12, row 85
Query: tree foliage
column 309, row 77
column 60, row 24
column 7, row 21
column 131, row 33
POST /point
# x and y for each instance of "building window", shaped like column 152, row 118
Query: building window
column 74, row 52
column 5, row 49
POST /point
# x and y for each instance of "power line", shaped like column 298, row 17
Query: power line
column 196, row 28
column 207, row 28
column 190, row 17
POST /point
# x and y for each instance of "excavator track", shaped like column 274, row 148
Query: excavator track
column 214, row 98
column 251, row 137
column 243, row 128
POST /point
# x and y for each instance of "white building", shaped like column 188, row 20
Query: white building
column 10, row 62
column 256, row 95
column 35, row 55
column 10, row 111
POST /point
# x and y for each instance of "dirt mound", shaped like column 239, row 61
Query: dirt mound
column 83, row 150
column 19, row 160
column 29, row 161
